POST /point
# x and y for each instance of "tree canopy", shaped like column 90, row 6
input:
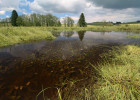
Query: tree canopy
column 14, row 18
column 82, row 22
column 19, row 21
column 68, row 21
column 38, row 20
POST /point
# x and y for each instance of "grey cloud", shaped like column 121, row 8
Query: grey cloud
column 117, row 4
column 7, row 5
column 63, row 6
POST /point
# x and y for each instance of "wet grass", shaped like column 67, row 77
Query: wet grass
column 116, row 78
column 120, row 77
column 134, row 36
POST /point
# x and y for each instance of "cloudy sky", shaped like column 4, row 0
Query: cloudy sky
column 94, row 10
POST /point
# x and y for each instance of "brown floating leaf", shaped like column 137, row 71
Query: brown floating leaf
column 13, row 97
column 35, row 73
column 18, row 97
column 28, row 83
column 21, row 87
column 16, row 87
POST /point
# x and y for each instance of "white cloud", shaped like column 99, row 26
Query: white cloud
column 7, row 17
column 24, row 3
column 2, row 12
column 117, row 4
column 8, row 5
column 58, row 6
column 95, row 13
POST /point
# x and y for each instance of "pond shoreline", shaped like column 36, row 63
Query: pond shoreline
column 16, row 35
column 77, row 64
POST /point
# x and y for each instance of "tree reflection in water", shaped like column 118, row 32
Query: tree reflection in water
column 81, row 34
column 68, row 33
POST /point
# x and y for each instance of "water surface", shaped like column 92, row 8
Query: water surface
column 26, row 68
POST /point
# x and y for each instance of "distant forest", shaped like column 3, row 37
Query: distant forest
column 111, row 23
column 37, row 20
column 50, row 20
column 40, row 20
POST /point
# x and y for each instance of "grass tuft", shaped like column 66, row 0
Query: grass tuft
column 120, row 79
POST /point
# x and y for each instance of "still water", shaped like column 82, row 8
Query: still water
column 27, row 68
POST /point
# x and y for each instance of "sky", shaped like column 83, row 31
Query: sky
column 94, row 10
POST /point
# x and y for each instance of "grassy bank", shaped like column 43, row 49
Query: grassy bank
column 117, row 78
column 135, row 28
column 120, row 77
column 14, row 35
column 134, row 36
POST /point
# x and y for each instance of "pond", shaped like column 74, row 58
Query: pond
column 26, row 69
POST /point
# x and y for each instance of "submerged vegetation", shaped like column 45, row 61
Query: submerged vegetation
column 116, row 78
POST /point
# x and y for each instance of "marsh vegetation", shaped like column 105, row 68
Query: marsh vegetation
column 14, row 35
column 71, row 65
column 44, row 59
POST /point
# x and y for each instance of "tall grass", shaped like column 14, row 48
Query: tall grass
column 13, row 35
column 118, row 28
column 120, row 79
column 134, row 36
column 117, row 78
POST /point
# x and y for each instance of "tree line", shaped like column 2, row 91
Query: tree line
column 34, row 20
column 41, row 20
